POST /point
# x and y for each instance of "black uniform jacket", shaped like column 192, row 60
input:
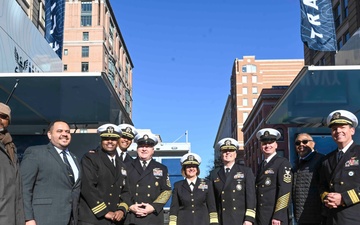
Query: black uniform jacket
column 343, row 178
column 235, row 194
column 195, row 207
column 273, row 191
column 152, row 186
column 104, row 188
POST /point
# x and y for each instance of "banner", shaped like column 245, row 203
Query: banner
column 317, row 25
column 54, row 24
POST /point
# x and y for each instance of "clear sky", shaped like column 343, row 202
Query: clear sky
column 183, row 53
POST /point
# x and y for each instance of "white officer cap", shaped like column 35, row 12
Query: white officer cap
column 146, row 138
column 127, row 131
column 341, row 117
column 227, row 144
column 109, row 130
column 190, row 159
column 268, row 134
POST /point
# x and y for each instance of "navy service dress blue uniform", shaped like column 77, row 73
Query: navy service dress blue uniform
column 343, row 176
column 193, row 207
column 235, row 192
column 273, row 185
column 151, row 185
column 104, row 186
column 129, row 132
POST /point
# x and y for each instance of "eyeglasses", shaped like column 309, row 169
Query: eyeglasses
column 4, row 117
column 303, row 141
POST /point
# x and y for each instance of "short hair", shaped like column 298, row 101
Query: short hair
column 51, row 125
column 183, row 168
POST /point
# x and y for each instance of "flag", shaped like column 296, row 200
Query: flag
column 317, row 25
column 54, row 24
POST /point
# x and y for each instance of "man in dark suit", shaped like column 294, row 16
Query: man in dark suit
column 306, row 201
column 234, row 187
column 340, row 172
column 149, row 184
column 104, row 191
column 11, row 202
column 127, row 134
column 273, row 182
column 51, row 180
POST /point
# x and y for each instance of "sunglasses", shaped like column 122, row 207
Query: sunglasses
column 4, row 117
column 303, row 141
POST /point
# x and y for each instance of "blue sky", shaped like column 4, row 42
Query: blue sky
column 183, row 53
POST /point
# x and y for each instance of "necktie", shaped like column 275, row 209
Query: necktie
column 192, row 185
column 68, row 167
column 122, row 156
column 113, row 162
column 227, row 171
column 144, row 165
column 339, row 155
column 264, row 163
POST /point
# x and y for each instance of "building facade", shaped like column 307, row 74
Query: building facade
column 93, row 42
column 249, row 77
column 347, row 22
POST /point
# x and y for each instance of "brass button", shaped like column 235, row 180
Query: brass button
column 148, row 195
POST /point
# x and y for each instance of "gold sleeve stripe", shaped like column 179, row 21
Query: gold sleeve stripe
column 163, row 197
column 172, row 220
column 123, row 204
column 282, row 202
column 250, row 212
column 213, row 217
column 323, row 195
column 353, row 196
column 99, row 208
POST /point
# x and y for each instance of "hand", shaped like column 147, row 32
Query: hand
column 275, row 222
column 118, row 215
column 110, row 216
column 148, row 208
column 333, row 200
column 247, row 223
column 138, row 209
column 30, row 222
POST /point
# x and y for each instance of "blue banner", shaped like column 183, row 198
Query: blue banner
column 54, row 24
column 317, row 25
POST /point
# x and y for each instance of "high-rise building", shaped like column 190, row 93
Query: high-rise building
column 249, row 77
column 93, row 43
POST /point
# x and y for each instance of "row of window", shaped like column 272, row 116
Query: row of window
column 254, row 79
column 254, row 90
column 85, row 51
column 245, row 101
column 84, row 67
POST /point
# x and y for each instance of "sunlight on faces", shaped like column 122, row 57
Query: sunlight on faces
column 124, row 142
column 268, row 147
column 228, row 155
column 342, row 134
column 59, row 135
column 4, row 121
column 145, row 152
column 108, row 144
column 190, row 171
column 304, row 144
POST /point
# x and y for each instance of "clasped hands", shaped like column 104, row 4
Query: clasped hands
column 142, row 209
column 115, row 216
column 333, row 200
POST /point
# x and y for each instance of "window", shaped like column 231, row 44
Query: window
column 86, row 11
column 85, row 36
column 249, row 68
column 245, row 102
column 84, row 67
column 85, row 51
column 254, row 90
column 244, row 79
column 245, row 116
column 244, row 90
column 254, row 79
column 345, row 4
column 111, row 33
column 65, row 67
column 337, row 15
column 254, row 101
column 65, row 51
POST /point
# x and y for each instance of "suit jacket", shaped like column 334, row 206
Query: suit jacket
column 344, row 178
column 235, row 194
column 49, row 196
column 195, row 207
column 273, row 191
column 149, row 186
column 11, row 202
column 104, row 188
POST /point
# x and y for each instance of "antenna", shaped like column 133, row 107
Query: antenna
column 186, row 135
column 12, row 91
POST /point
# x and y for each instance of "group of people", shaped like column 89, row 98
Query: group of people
column 107, row 186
